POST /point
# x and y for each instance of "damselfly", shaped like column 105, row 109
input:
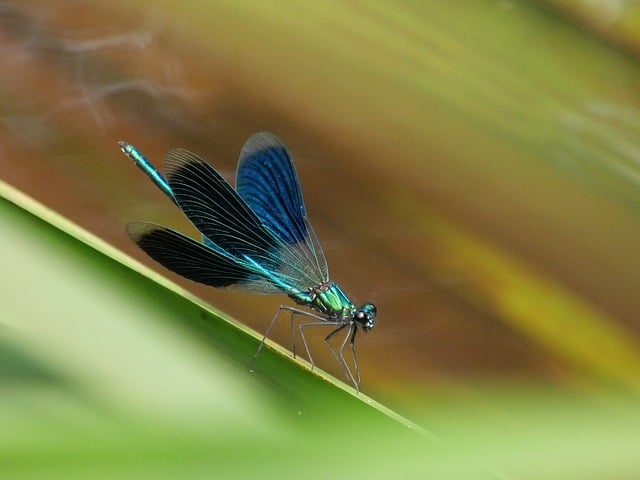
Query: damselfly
column 256, row 238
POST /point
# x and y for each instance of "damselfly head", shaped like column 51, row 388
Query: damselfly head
column 366, row 316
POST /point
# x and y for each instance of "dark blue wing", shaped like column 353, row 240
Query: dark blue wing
column 187, row 257
column 233, row 229
column 267, row 181
column 216, row 210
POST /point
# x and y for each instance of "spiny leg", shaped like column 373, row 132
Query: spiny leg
column 293, row 334
column 266, row 333
column 340, row 357
column 355, row 357
column 323, row 323
column 352, row 338
column 294, row 311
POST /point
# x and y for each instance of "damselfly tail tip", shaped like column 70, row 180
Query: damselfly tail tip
column 124, row 146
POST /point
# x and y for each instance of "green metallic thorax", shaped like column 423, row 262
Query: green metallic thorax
column 328, row 299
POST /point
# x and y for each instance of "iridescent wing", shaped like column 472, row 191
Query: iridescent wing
column 188, row 257
column 216, row 210
column 233, row 230
column 267, row 181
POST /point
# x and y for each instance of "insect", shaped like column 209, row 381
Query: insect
column 256, row 239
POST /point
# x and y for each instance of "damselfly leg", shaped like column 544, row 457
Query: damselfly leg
column 350, row 337
column 320, row 321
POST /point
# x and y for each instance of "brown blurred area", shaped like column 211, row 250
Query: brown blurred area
column 385, row 159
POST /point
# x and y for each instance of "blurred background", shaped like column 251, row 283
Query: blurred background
column 471, row 167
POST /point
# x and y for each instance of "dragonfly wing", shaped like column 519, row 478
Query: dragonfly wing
column 267, row 181
column 230, row 226
column 215, row 208
column 187, row 257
